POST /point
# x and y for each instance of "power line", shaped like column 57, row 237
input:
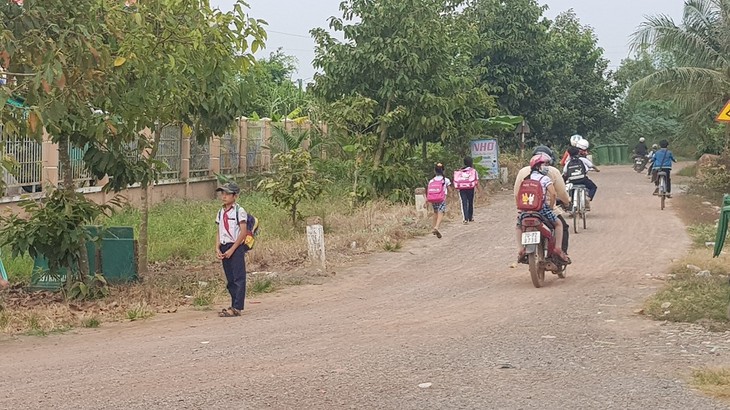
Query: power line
column 288, row 34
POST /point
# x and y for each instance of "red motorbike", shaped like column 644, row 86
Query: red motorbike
column 539, row 242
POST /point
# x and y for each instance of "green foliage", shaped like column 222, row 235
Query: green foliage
column 140, row 311
column 551, row 72
column 8, row 165
column 692, row 298
column 416, row 86
column 54, row 230
column 268, row 91
column 294, row 179
column 94, row 287
column 91, row 322
column 698, row 83
column 260, row 285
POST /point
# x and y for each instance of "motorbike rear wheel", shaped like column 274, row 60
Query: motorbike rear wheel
column 537, row 266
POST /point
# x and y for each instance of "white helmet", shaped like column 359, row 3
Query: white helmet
column 641, row 139
column 583, row 144
column 574, row 139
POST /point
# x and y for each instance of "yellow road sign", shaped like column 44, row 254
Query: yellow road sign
column 724, row 114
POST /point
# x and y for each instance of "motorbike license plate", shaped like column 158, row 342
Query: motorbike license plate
column 530, row 238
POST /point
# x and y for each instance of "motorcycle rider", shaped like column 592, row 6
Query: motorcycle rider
column 538, row 169
column 640, row 148
column 563, row 199
column 576, row 170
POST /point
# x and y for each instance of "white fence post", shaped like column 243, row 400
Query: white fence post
column 420, row 199
column 315, row 241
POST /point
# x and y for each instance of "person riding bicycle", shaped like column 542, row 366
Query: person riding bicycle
column 640, row 149
column 539, row 170
column 573, row 141
column 576, row 170
column 663, row 162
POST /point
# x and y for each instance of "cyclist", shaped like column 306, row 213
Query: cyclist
column 576, row 170
column 663, row 162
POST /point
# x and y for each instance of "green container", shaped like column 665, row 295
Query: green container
column 600, row 155
column 114, row 255
column 624, row 153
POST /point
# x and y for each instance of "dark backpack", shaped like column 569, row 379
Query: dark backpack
column 576, row 170
column 530, row 197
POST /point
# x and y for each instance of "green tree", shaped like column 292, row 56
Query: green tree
column 178, row 63
column 699, row 83
column 293, row 180
column 551, row 72
column 412, row 58
column 268, row 90
column 638, row 115
column 93, row 73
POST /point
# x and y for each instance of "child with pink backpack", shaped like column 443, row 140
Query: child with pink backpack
column 466, row 181
column 436, row 196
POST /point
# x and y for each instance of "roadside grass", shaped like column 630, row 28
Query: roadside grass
column 185, row 272
column 713, row 381
column 688, row 171
column 697, row 290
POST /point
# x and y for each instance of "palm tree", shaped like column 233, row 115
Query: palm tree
column 699, row 81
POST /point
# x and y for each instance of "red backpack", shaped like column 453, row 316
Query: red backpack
column 530, row 196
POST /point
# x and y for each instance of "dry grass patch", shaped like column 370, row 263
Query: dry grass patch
column 713, row 381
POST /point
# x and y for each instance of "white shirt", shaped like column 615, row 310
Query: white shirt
column 441, row 178
column 544, row 180
column 230, row 235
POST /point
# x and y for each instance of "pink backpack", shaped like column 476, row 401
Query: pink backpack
column 436, row 191
column 465, row 178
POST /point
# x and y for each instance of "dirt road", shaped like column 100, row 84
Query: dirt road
column 449, row 312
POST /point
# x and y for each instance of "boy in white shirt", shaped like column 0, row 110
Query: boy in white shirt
column 231, row 221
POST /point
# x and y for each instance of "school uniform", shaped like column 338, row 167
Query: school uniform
column 230, row 223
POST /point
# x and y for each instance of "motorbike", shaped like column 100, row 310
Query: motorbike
column 539, row 241
column 640, row 162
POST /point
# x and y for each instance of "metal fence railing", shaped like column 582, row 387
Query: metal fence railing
column 199, row 158
column 229, row 153
column 254, row 157
column 169, row 151
column 28, row 155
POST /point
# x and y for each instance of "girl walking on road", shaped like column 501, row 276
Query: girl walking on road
column 466, row 181
column 436, row 195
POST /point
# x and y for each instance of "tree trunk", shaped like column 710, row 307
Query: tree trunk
column 380, row 153
column 294, row 214
column 143, row 266
column 64, row 160
column 424, row 149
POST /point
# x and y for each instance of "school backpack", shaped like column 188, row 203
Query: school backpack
column 252, row 228
column 436, row 191
column 576, row 169
column 465, row 178
column 530, row 196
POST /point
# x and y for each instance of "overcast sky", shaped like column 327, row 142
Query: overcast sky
column 289, row 22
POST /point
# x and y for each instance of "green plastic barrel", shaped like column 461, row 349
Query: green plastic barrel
column 624, row 153
column 615, row 154
column 600, row 155
column 114, row 255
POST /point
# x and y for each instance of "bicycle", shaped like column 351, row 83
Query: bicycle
column 662, row 187
column 578, row 208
